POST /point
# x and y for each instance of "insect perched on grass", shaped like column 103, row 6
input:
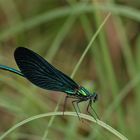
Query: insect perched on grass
column 38, row 71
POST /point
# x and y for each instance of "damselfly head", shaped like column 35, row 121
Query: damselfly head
column 95, row 97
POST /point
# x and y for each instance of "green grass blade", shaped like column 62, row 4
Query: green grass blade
column 61, row 12
column 89, row 45
column 84, row 116
column 60, row 37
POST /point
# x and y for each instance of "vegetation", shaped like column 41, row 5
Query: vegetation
column 95, row 43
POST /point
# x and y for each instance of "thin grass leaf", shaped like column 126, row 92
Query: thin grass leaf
column 84, row 116
column 61, row 12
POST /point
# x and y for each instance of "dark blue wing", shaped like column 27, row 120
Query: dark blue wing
column 37, row 70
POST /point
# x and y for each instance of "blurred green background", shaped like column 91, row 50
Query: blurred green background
column 60, row 30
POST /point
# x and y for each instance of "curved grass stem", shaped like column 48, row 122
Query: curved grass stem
column 84, row 116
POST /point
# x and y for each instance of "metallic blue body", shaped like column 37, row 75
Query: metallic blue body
column 11, row 70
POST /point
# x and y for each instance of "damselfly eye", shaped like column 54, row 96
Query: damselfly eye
column 95, row 97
